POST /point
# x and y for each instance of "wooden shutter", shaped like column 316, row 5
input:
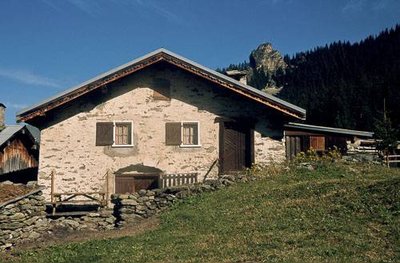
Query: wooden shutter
column 317, row 143
column 104, row 133
column 173, row 133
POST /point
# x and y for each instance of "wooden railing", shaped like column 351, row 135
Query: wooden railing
column 167, row 180
column 59, row 198
column 392, row 159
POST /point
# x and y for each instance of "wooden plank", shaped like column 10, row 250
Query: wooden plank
column 72, row 213
column 76, row 202
column 79, row 193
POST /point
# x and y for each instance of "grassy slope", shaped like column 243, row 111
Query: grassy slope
column 335, row 213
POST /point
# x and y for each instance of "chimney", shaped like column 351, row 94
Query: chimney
column 2, row 115
column 241, row 76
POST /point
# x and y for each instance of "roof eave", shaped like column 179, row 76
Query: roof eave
column 151, row 58
column 308, row 127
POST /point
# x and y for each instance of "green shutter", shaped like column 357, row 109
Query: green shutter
column 173, row 133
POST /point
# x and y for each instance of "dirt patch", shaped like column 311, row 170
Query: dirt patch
column 62, row 236
column 11, row 191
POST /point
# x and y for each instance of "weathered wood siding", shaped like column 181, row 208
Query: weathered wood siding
column 300, row 141
column 16, row 157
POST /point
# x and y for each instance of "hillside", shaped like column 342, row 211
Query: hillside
column 346, row 85
column 341, row 84
column 334, row 213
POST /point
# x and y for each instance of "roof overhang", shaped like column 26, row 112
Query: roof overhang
column 324, row 129
column 271, row 101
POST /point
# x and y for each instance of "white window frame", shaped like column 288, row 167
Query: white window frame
column 198, row 136
column 122, row 145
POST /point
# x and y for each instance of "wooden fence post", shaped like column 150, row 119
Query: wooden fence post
column 52, row 186
column 52, row 175
column 107, row 186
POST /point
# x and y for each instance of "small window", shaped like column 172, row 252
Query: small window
column 122, row 134
column 190, row 133
column 317, row 143
column 184, row 134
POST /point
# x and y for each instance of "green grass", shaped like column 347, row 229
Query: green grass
column 336, row 213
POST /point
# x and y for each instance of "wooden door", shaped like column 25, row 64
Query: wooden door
column 124, row 184
column 146, row 182
column 236, row 147
column 134, row 183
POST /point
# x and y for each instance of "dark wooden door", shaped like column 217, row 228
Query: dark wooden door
column 146, row 182
column 124, row 184
column 134, row 183
column 236, row 147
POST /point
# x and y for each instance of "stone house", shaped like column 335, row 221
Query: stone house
column 158, row 114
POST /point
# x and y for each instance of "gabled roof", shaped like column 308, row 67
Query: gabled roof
column 8, row 132
column 315, row 128
column 11, row 130
column 151, row 58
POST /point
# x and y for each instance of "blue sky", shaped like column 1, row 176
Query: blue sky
column 47, row 46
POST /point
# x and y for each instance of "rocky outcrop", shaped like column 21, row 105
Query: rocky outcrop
column 265, row 58
column 265, row 64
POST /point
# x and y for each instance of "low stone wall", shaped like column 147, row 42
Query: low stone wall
column 131, row 208
column 22, row 218
column 101, row 220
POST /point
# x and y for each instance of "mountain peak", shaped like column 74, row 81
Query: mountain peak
column 267, row 58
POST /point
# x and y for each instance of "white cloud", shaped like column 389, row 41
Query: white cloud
column 96, row 8
column 29, row 78
column 369, row 5
column 354, row 5
column 157, row 8
column 383, row 4
column 16, row 106
column 87, row 6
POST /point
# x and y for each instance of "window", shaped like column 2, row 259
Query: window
column 317, row 143
column 117, row 134
column 184, row 134
column 122, row 134
column 190, row 133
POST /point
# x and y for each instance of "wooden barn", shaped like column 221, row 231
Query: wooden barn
column 301, row 137
column 19, row 152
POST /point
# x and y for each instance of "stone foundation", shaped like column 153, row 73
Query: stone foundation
column 23, row 219
column 131, row 208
